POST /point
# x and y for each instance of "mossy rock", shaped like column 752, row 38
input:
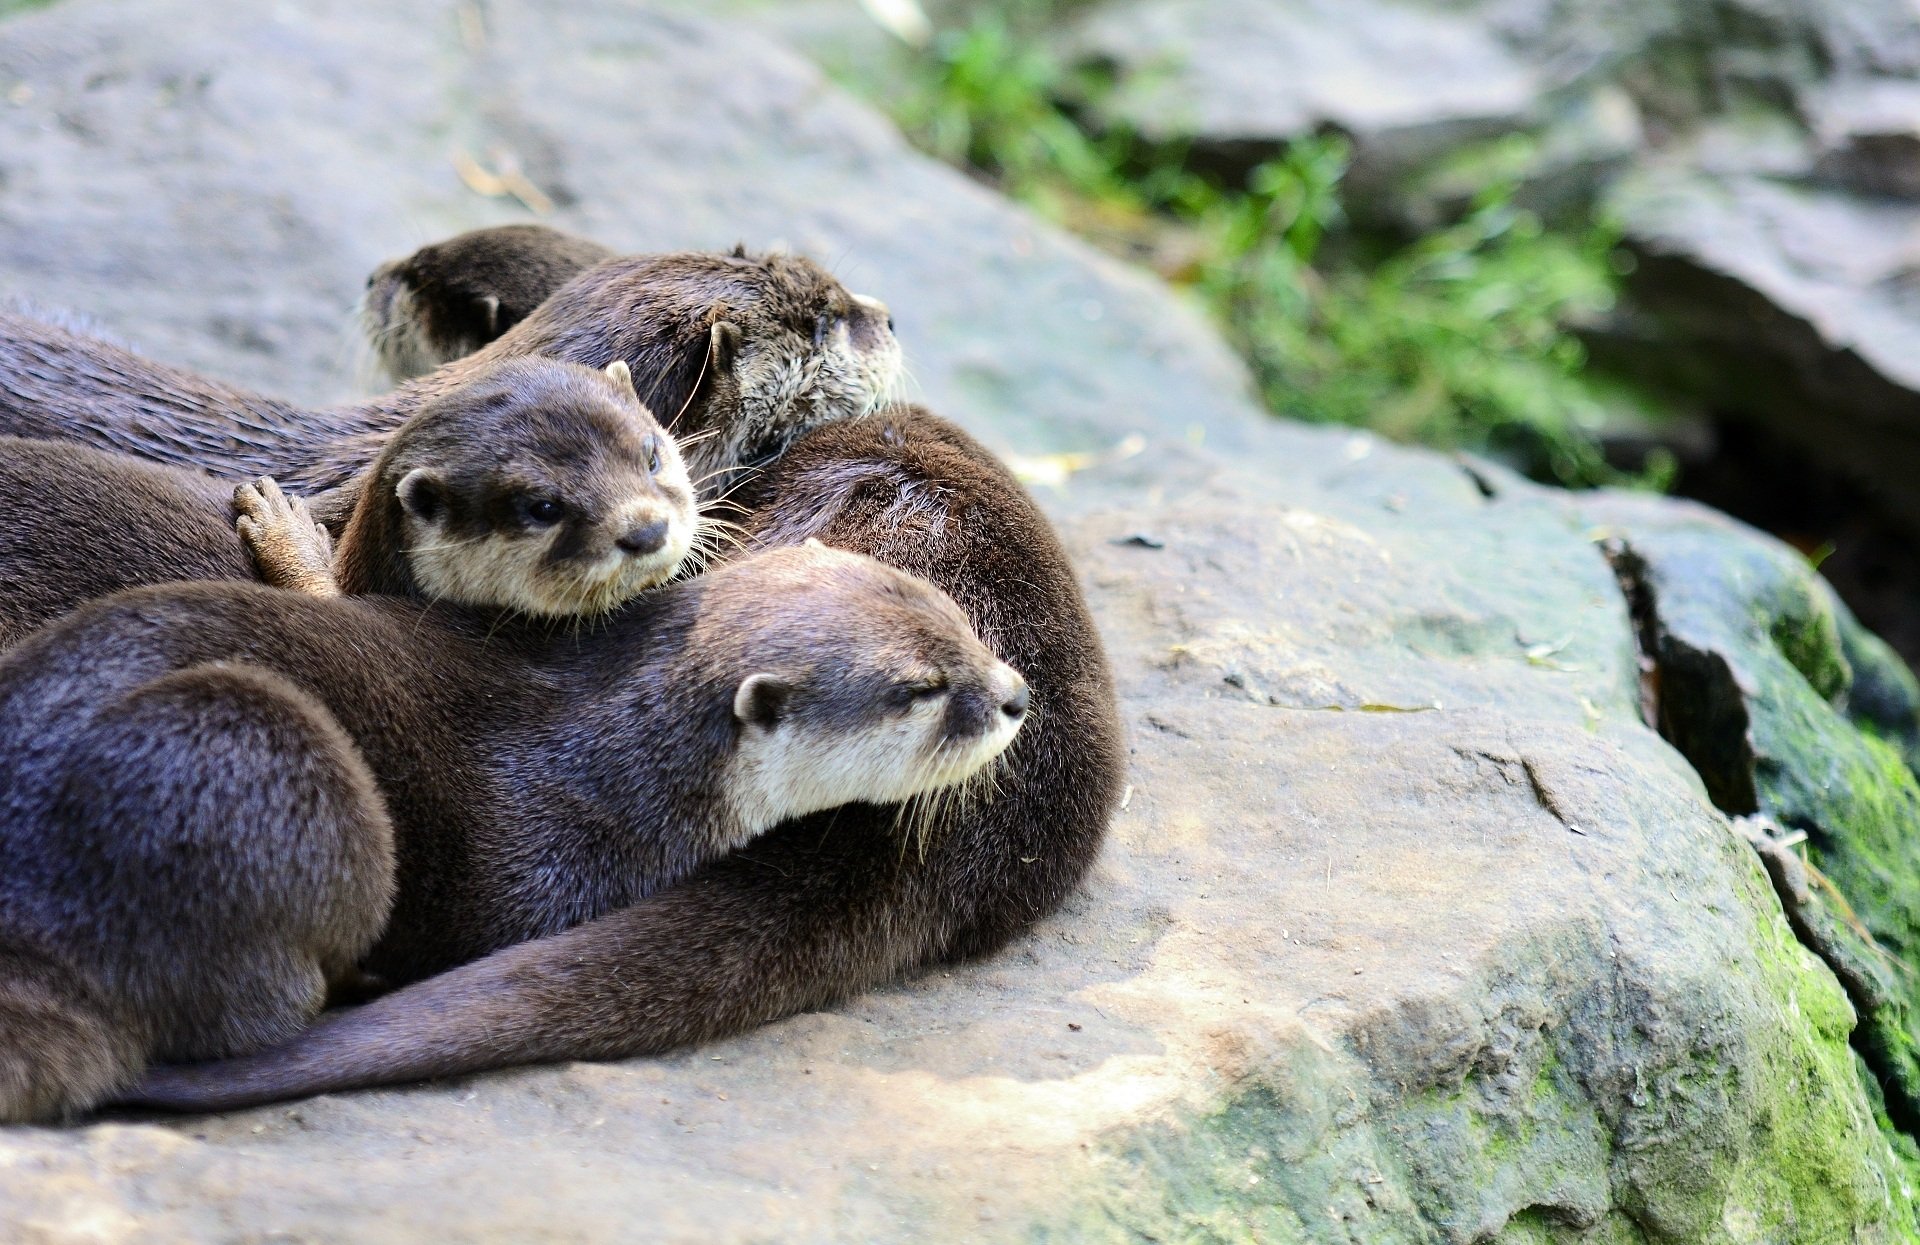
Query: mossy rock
column 1790, row 711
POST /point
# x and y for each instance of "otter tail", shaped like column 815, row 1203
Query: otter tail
column 719, row 953
column 62, row 1051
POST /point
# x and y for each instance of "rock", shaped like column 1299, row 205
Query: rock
column 1795, row 303
column 1396, row 76
column 1763, row 158
column 1420, row 90
column 1410, row 930
column 1755, row 685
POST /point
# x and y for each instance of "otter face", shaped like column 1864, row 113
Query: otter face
column 738, row 354
column 886, row 695
column 409, row 336
column 834, row 357
column 542, row 487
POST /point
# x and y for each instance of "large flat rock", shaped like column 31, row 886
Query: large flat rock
column 1409, row 930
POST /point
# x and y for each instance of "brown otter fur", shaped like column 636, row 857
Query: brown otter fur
column 212, row 790
column 81, row 523
column 98, row 522
column 748, row 350
column 537, row 485
column 450, row 298
column 821, row 906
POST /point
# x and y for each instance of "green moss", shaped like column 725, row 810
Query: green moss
column 1884, row 700
column 1808, row 635
column 1809, row 1183
column 1787, row 651
column 1746, row 1124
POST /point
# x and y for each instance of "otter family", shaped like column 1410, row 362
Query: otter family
column 634, row 673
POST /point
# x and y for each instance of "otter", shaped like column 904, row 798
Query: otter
column 540, row 485
column 820, row 906
column 450, row 298
column 219, row 795
column 735, row 353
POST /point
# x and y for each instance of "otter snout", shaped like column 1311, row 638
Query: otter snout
column 876, row 310
column 1014, row 702
column 644, row 538
column 650, row 539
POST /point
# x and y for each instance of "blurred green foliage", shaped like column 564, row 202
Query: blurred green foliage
column 1463, row 338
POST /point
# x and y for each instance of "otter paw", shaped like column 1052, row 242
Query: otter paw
column 290, row 548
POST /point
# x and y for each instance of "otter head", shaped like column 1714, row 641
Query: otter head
column 537, row 486
column 451, row 298
column 737, row 354
column 858, row 683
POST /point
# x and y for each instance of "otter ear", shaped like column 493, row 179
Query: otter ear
column 761, row 699
column 421, row 494
column 739, row 250
column 622, row 376
column 724, row 343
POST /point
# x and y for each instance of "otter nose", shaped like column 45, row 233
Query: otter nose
column 644, row 537
column 1015, row 705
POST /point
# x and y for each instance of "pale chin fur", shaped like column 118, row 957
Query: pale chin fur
column 509, row 573
column 775, row 776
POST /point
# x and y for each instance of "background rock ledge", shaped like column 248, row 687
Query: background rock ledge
column 1409, row 930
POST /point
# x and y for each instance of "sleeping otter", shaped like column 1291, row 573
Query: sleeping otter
column 453, row 297
column 215, row 790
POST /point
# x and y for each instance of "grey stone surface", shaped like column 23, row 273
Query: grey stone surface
column 1410, row 930
column 1391, row 74
column 1795, row 302
column 1762, row 155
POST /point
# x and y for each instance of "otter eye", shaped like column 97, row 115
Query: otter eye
column 923, row 689
column 822, row 326
column 653, row 455
column 543, row 510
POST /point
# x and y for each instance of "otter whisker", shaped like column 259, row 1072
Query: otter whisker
column 718, row 535
column 693, row 391
column 722, row 503
column 745, row 472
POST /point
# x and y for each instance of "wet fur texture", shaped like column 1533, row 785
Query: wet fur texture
column 80, row 523
column 219, row 796
column 154, row 902
column 819, row 907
